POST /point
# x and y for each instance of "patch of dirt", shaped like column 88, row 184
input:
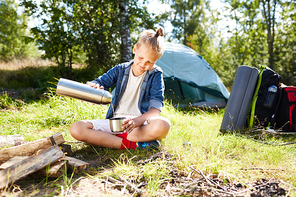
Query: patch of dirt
column 188, row 184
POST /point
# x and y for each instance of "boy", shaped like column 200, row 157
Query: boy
column 138, row 98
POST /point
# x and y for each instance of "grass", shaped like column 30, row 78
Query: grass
column 234, row 156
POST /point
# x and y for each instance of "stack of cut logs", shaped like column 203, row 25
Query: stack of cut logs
column 44, row 156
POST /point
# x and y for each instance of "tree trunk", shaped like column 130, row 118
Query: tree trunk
column 126, row 43
column 269, row 15
column 184, row 23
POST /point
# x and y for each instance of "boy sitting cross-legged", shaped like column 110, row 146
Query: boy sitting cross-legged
column 138, row 97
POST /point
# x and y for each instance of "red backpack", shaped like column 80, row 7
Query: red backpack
column 285, row 115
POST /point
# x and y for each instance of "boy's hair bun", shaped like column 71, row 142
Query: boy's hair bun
column 159, row 32
column 155, row 39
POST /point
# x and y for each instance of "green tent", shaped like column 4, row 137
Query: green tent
column 189, row 79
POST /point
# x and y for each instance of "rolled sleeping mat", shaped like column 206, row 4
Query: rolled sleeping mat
column 83, row 92
column 240, row 98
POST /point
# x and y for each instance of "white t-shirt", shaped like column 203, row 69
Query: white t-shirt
column 128, row 104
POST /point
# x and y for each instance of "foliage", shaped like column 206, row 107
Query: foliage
column 203, row 38
column 257, row 16
column 32, row 77
column 285, row 46
column 14, row 40
column 75, row 29
column 54, row 36
column 86, row 32
column 31, row 82
column 186, row 18
column 7, row 102
column 259, row 38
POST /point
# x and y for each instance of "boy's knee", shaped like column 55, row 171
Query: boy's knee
column 161, row 122
column 166, row 123
column 76, row 130
column 161, row 126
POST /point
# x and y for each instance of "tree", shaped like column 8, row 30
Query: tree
column 269, row 11
column 209, row 42
column 54, row 36
column 186, row 16
column 285, row 45
column 203, row 36
column 14, row 40
column 256, row 14
column 72, row 26
column 126, row 42
column 97, row 27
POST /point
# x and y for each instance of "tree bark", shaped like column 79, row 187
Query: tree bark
column 184, row 24
column 126, row 43
column 269, row 15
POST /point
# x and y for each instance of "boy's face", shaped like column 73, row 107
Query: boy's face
column 144, row 59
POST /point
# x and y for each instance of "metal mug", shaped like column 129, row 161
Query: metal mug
column 115, row 124
column 83, row 92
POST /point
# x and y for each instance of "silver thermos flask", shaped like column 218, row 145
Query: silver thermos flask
column 83, row 92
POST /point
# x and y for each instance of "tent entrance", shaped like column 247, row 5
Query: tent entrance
column 184, row 93
column 180, row 92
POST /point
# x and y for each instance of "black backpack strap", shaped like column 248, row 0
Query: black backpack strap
column 272, row 120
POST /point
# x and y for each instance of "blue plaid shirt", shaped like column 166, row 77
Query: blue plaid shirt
column 152, row 87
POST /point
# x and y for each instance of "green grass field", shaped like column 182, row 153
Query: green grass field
column 233, row 157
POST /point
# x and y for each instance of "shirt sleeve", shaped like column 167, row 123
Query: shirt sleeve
column 108, row 79
column 157, row 92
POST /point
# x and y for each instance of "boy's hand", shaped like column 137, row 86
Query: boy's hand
column 128, row 125
column 96, row 86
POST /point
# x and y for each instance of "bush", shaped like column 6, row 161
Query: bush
column 7, row 102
